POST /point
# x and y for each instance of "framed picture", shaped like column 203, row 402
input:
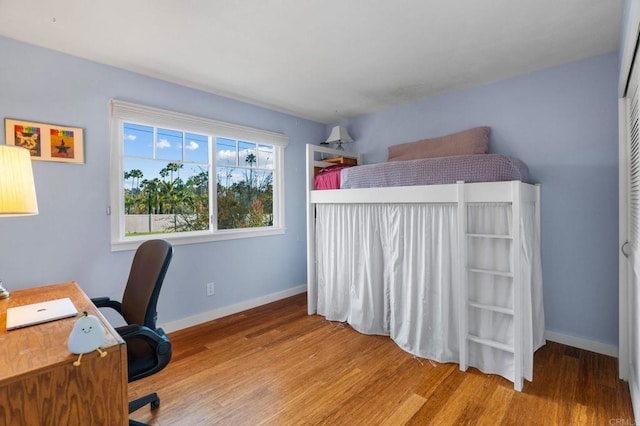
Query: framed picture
column 46, row 142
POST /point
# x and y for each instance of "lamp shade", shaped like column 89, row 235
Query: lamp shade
column 17, row 188
column 339, row 135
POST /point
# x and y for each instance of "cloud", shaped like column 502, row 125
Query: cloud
column 226, row 154
column 228, row 157
column 192, row 145
column 130, row 137
column 163, row 143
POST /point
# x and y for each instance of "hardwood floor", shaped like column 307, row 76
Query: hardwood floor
column 275, row 365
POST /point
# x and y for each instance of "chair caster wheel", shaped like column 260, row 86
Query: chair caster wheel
column 155, row 404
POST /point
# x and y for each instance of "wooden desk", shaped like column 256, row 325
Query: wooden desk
column 39, row 384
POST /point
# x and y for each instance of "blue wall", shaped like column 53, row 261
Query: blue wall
column 70, row 238
column 563, row 123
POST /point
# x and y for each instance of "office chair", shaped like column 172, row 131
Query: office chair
column 148, row 348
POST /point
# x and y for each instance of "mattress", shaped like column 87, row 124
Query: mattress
column 436, row 171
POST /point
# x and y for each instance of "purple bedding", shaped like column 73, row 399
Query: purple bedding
column 436, row 171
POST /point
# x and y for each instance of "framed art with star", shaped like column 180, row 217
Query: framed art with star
column 46, row 142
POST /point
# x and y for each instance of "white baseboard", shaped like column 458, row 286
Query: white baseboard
column 580, row 343
column 232, row 309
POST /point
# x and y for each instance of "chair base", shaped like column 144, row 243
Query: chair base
column 152, row 399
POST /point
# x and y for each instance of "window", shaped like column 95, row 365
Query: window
column 244, row 181
column 190, row 179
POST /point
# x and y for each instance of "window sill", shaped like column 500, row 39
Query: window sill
column 132, row 243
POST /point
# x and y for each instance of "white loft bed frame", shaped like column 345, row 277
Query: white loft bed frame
column 514, row 192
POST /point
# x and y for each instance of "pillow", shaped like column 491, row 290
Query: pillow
column 472, row 141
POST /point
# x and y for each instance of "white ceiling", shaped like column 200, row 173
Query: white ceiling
column 325, row 60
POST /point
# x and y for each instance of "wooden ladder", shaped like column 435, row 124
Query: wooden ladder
column 513, row 275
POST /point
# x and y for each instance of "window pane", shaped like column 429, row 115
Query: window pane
column 226, row 152
column 161, row 194
column 245, row 198
column 265, row 157
column 196, row 149
column 169, row 145
column 247, row 154
column 161, row 197
column 138, row 140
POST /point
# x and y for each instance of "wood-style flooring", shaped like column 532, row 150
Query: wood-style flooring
column 275, row 365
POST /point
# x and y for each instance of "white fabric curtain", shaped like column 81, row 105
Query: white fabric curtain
column 392, row 269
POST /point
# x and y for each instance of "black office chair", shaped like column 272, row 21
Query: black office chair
column 148, row 348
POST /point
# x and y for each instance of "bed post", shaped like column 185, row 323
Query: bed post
column 516, row 282
column 463, row 326
column 312, row 290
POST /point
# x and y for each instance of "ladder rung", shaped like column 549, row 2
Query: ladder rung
column 494, row 308
column 496, row 236
column 490, row 272
column 492, row 343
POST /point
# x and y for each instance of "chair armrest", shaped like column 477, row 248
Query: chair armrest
column 156, row 339
column 105, row 302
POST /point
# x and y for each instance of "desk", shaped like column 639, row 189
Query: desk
column 39, row 384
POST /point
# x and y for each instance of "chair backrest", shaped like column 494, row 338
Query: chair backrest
column 149, row 266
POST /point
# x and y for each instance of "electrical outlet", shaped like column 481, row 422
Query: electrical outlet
column 211, row 289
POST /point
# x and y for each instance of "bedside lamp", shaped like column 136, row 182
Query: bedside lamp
column 17, row 188
column 338, row 135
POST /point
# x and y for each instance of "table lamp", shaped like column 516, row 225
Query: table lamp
column 17, row 188
column 338, row 135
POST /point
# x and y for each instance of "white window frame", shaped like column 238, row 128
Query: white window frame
column 121, row 112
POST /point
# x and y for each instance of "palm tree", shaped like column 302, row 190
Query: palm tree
column 150, row 190
column 168, row 171
column 130, row 195
column 136, row 174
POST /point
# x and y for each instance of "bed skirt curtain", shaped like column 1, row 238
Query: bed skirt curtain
column 393, row 269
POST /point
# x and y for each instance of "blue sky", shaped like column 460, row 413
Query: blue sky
column 139, row 152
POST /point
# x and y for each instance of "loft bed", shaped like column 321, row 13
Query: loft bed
column 441, row 269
